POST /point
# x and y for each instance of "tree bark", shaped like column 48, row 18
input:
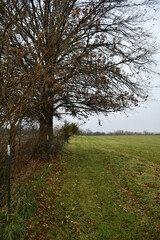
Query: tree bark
column 46, row 127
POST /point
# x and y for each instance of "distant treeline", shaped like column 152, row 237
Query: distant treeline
column 118, row 132
column 82, row 132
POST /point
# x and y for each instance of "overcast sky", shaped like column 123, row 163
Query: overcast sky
column 146, row 117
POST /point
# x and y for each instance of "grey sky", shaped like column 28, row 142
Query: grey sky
column 146, row 117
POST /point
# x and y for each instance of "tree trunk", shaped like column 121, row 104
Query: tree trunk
column 12, row 134
column 46, row 128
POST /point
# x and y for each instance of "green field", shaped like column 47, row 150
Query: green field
column 100, row 188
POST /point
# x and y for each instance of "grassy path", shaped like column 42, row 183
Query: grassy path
column 103, row 188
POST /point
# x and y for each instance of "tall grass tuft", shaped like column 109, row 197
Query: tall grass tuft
column 11, row 226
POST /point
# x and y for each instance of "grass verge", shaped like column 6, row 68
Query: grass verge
column 100, row 188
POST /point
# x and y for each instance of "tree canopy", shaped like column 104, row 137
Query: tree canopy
column 77, row 57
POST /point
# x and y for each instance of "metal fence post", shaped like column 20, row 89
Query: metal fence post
column 48, row 148
column 9, row 181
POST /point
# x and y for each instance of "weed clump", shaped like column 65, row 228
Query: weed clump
column 11, row 226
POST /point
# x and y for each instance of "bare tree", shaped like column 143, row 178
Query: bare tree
column 17, row 82
column 92, row 55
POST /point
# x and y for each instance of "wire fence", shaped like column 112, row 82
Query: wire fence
column 26, row 155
